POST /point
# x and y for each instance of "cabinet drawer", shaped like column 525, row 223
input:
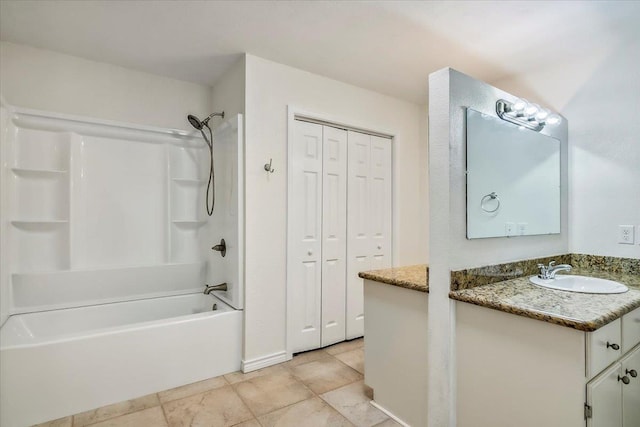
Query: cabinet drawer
column 630, row 330
column 604, row 347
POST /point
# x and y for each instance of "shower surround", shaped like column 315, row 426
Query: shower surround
column 96, row 215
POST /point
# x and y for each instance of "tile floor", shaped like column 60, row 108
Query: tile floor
column 318, row 388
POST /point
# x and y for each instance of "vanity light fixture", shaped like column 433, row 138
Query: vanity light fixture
column 526, row 114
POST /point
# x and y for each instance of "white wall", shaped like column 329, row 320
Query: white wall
column 271, row 87
column 450, row 93
column 600, row 96
column 228, row 93
column 51, row 81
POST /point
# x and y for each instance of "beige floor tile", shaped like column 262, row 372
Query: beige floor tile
column 345, row 346
column 250, row 423
column 236, row 377
column 115, row 410
column 191, row 389
column 353, row 358
column 306, row 357
column 267, row 393
column 325, row 374
column 388, row 423
column 311, row 412
column 352, row 401
column 152, row 417
column 60, row 422
column 217, row 407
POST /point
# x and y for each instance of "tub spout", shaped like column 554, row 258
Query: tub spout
column 210, row 288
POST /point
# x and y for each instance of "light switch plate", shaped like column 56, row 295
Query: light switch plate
column 626, row 234
column 522, row 228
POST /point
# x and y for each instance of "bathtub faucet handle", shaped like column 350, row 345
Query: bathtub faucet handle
column 221, row 247
column 210, row 288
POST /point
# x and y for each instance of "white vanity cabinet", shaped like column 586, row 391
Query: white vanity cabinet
column 517, row 371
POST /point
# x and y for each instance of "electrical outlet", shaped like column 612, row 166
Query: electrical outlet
column 626, row 234
column 510, row 228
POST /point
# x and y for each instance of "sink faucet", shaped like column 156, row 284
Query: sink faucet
column 210, row 288
column 549, row 272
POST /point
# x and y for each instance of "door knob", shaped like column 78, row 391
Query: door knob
column 379, row 246
column 613, row 346
column 624, row 379
column 631, row 372
column 309, row 252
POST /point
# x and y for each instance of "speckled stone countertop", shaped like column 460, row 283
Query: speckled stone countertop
column 412, row 277
column 585, row 312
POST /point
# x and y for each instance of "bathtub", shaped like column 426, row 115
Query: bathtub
column 61, row 362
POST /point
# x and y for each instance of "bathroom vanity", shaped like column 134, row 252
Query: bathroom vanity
column 542, row 357
column 395, row 348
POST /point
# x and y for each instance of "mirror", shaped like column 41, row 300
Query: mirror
column 513, row 179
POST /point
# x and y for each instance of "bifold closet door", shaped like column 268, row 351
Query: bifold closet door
column 334, row 235
column 318, row 242
column 368, row 218
column 305, row 236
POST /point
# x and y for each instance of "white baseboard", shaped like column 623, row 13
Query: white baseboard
column 389, row 414
column 264, row 361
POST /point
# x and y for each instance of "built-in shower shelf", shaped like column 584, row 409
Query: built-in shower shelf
column 189, row 181
column 38, row 172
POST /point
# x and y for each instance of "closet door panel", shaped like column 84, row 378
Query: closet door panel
column 380, row 203
column 305, row 242
column 358, row 228
column 334, row 235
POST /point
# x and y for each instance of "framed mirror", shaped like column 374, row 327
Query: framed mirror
column 513, row 179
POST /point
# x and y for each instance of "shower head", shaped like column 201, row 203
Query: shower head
column 196, row 123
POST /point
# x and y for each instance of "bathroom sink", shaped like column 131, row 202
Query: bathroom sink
column 587, row 285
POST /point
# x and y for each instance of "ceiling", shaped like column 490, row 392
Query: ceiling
column 386, row 46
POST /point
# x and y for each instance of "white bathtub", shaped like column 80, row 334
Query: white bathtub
column 62, row 362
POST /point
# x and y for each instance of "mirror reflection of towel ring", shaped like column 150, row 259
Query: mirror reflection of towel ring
column 486, row 198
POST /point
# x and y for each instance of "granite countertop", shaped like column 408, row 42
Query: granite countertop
column 411, row 277
column 585, row 312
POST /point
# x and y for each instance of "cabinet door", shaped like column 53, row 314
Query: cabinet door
column 305, row 236
column 334, row 235
column 604, row 395
column 631, row 391
column 368, row 218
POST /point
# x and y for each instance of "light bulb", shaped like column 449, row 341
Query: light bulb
column 531, row 110
column 553, row 119
column 542, row 114
column 518, row 105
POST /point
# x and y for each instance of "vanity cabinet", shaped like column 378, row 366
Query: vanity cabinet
column 512, row 370
column 395, row 350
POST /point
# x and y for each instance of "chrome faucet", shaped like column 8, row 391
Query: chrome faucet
column 549, row 272
column 210, row 288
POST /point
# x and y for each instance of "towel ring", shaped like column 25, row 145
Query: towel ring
column 487, row 197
